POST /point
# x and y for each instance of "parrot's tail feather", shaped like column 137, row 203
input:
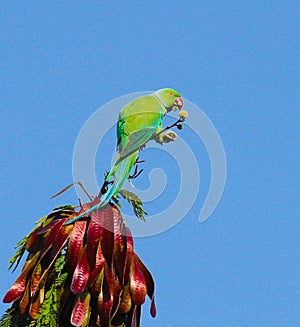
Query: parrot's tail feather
column 95, row 207
column 121, row 172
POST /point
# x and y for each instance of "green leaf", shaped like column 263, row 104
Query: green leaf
column 136, row 203
column 5, row 320
column 13, row 317
column 50, row 308
column 21, row 246
column 65, row 207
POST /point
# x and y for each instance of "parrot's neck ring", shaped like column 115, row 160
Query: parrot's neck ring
column 168, row 109
column 159, row 99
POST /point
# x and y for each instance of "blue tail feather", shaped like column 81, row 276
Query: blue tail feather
column 95, row 207
column 122, row 171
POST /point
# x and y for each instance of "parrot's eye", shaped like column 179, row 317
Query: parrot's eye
column 171, row 94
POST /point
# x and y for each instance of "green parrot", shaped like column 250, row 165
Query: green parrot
column 139, row 121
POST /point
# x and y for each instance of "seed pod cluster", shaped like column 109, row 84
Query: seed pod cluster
column 103, row 282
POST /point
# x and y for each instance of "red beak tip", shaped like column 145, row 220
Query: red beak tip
column 179, row 102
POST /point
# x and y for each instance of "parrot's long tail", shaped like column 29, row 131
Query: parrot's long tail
column 120, row 172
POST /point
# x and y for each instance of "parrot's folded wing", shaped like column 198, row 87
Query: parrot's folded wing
column 136, row 140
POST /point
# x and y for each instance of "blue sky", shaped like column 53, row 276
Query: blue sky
column 239, row 62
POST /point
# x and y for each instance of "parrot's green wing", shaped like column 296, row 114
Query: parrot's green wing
column 142, row 113
column 135, row 141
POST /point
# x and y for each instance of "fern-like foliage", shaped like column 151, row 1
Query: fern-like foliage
column 13, row 317
column 5, row 320
column 64, row 207
column 49, row 310
column 21, row 246
column 136, row 203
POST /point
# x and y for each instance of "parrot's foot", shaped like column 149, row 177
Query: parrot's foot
column 142, row 147
column 136, row 173
column 169, row 136
column 138, row 161
column 104, row 188
column 166, row 137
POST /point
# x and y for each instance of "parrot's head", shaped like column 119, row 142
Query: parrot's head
column 171, row 99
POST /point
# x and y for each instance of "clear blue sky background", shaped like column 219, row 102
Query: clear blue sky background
column 239, row 62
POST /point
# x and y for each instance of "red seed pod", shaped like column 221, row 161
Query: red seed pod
column 18, row 287
column 23, row 305
column 99, row 264
column 35, row 279
column 137, row 280
column 149, row 284
column 61, row 238
column 81, row 274
column 75, row 245
column 35, row 305
column 126, row 302
column 81, row 309
column 119, row 252
column 129, row 251
column 107, row 234
column 97, row 285
column 34, row 242
column 105, row 297
column 50, row 231
column 93, row 236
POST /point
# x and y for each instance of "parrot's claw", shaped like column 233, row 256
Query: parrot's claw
column 103, row 189
column 169, row 136
column 135, row 174
column 142, row 147
column 139, row 161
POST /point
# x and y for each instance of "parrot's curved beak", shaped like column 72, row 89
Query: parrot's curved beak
column 178, row 104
